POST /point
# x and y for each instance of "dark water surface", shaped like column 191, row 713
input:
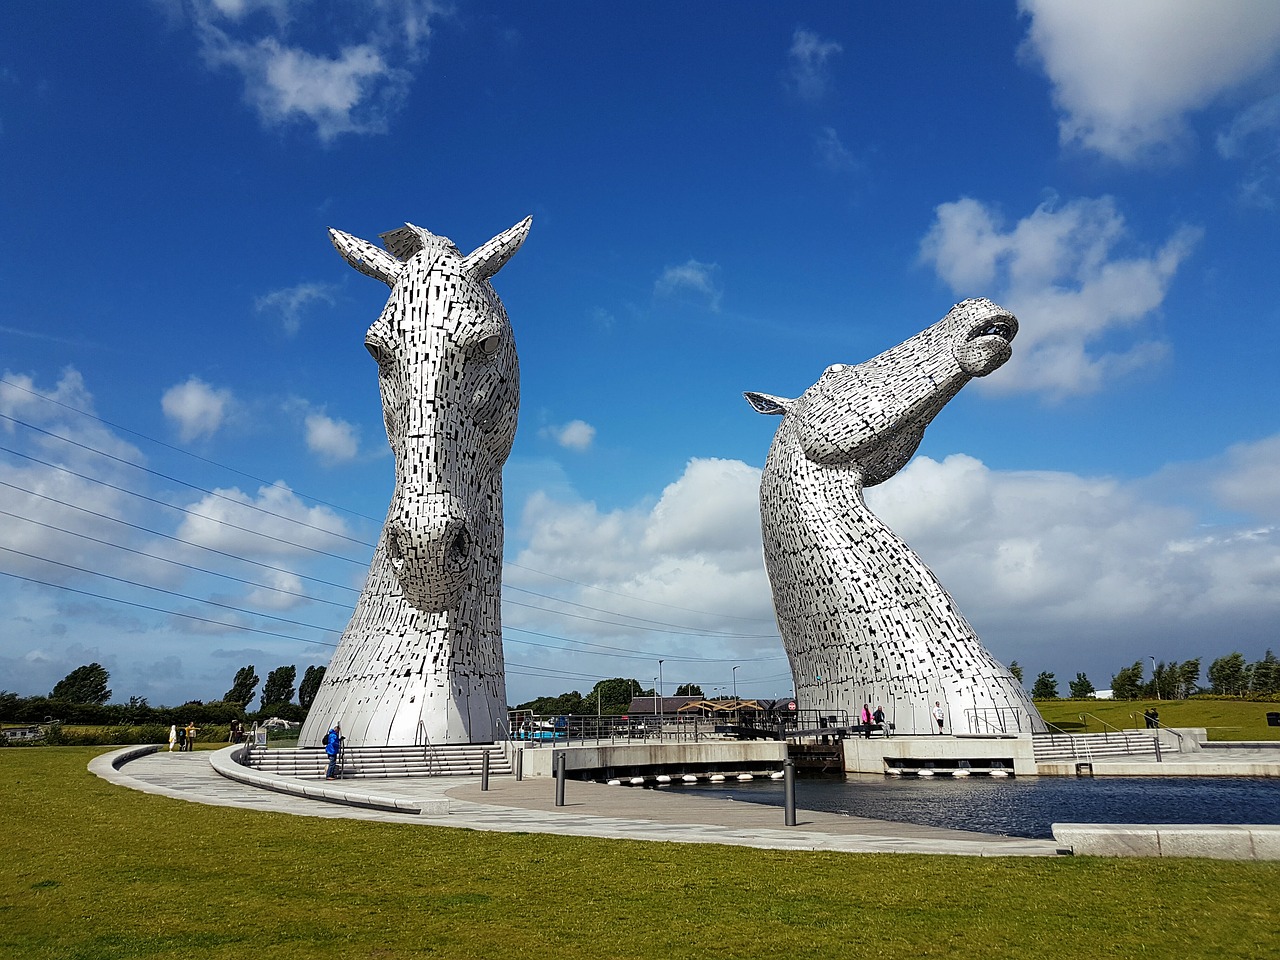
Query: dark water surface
column 1025, row 806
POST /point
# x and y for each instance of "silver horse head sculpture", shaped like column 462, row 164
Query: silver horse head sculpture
column 863, row 619
column 421, row 659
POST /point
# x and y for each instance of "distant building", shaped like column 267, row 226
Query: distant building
column 1103, row 695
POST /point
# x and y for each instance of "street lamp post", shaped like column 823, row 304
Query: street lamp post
column 655, row 696
column 735, row 683
column 664, row 701
column 1155, row 681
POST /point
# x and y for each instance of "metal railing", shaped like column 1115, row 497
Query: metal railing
column 531, row 728
column 1002, row 720
column 428, row 749
column 1153, row 723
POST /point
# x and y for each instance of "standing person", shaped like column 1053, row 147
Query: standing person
column 173, row 736
column 191, row 735
column 939, row 714
column 332, row 743
column 182, row 739
column 866, row 721
column 878, row 719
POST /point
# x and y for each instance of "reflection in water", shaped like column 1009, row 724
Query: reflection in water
column 1027, row 806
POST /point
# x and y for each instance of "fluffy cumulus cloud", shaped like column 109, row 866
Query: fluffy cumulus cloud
column 333, row 441
column 808, row 64
column 291, row 303
column 681, row 578
column 196, row 408
column 274, row 522
column 1126, row 76
column 574, row 435
column 1072, row 275
column 1060, row 570
column 355, row 89
column 692, row 280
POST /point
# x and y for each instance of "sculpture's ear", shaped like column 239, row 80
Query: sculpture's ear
column 767, row 403
column 367, row 258
column 488, row 258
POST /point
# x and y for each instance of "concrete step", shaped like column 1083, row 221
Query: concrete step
column 383, row 762
column 1051, row 748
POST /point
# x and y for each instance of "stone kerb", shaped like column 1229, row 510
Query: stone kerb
column 226, row 762
column 1213, row 841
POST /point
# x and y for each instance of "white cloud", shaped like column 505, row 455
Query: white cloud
column 808, row 59
column 273, row 523
column 1061, row 272
column 691, row 278
column 574, row 435
column 1057, row 570
column 334, row 441
column 1249, row 479
column 196, row 408
column 1126, row 75
column 355, row 90
column 1253, row 138
column 291, row 302
column 832, row 153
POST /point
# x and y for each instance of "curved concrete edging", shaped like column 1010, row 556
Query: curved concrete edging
column 1215, row 841
column 225, row 762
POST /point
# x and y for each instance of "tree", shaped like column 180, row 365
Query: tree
column 1265, row 675
column 1081, row 688
column 689, row 690
column 309, row 686
column 279, row 686
column 1188, row 678
column 87, row 684
column 1229, row 675
column 1016, row 669
column 1045, row 688
column 242, row 687
column 1127, row 684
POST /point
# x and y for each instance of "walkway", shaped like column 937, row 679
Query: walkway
column 591, row 810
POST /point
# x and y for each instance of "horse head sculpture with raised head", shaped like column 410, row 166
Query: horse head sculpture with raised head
column 862, row 617
column 421, row 659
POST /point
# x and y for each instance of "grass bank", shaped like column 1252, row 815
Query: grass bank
column 1224, row 719
column 98, row 871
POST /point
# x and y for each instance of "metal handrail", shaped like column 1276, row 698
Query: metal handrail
column 1160, row 726
column 1072, row 741
column 428, row 749
column 1103, row 722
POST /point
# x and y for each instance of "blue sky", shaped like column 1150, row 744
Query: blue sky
column 725, row 197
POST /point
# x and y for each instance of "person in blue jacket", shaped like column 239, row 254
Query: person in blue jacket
column 332, row 744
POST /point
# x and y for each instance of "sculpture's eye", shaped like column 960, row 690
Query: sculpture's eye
column 836, row 368
column 489, row 345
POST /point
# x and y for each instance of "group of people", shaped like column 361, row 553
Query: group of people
column 1152, row 716
column 871, row 719
column 183, row 738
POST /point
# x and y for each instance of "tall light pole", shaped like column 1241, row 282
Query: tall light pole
column 664, row 701
column 655, row 696
column 1155, row 681
column 735, row 683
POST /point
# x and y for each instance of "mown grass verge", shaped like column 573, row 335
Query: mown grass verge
column 1224, row 719
column 97, row 871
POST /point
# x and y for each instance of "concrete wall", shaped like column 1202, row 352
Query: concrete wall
column 1226, row 842
column 870, row 755
column 670, row 758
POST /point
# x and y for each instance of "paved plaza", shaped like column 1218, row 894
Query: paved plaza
column 590, row 810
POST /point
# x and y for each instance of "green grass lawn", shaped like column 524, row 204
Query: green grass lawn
column 1224, row 719
column 97, row 871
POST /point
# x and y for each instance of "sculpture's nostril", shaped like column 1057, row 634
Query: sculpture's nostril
column 460, row 546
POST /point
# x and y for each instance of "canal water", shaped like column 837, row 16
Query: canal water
column 1024, row 806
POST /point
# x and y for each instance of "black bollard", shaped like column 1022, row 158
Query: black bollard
column 559, row 765
column 789, row 788
column 484, row 770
